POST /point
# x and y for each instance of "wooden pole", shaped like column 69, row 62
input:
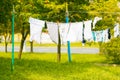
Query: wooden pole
column 59, row 44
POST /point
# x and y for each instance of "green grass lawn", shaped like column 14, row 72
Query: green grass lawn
column 34, row 66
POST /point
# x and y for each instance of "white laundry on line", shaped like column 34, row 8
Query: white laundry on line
column 68, row 31
column 116, row 30
column 75, row 32
column 64, row 30
column 36, row 29
column 99, row 36
column 105, row 35
column 53, row 31
column 87, row 30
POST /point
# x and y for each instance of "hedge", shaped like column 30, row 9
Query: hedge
column 111, row 50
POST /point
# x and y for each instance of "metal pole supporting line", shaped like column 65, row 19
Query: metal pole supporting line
column 12, row 63
column 68, row 42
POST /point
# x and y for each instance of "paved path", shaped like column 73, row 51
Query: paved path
column 54, row 49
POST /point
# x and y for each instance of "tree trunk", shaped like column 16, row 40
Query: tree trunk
column 7, row 39
column 59, row 53
column 59, row 46
column 5, row 36
column 21, row 48
column 31, row 46
column 6, row 47
column 24, row 35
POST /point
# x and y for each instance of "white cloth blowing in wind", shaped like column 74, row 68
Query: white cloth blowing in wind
column 68, row 31
column 64, row 30
column 53, row 31
column 87, row 30
column 71, row 32
column 36, row 29
column 75, row 32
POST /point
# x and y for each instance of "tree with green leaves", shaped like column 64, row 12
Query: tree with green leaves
column 107, row 9
column 54, row 10
column 22, row 9
column 5, row 20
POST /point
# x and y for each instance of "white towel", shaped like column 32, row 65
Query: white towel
column 45, row 38
column 87, row 30
column 36, row 29
column 53, row 31
column 75, row 32
column 68, row 31
column 105, row 35
column 64, row 30
column 36, row 21
column 71, row 32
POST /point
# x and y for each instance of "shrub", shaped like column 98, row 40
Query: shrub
column 111, row 50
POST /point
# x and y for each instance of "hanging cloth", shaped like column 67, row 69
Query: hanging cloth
column 64, row 30
column 116, row 30
column 75, row 32
column 53, row 31
column 36, row 29
column 94, row 36
column 105, row 35
column 99, row 36
column 87, row 30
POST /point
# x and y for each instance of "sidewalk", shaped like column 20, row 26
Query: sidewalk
column 54, row 49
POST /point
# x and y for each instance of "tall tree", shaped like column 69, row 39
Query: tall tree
column 5, row 18
column 107, row 9
column 23, row 13
column 54, row 10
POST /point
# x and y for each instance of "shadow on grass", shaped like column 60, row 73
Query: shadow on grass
column 6, row 73
column 42, row 67
column 35, row 69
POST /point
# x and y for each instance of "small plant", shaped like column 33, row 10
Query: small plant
column 111, row 50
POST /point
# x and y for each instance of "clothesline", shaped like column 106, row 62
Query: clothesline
column 94, row 12
column 68, row 31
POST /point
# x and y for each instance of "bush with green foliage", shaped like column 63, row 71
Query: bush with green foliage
column 111, row 50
